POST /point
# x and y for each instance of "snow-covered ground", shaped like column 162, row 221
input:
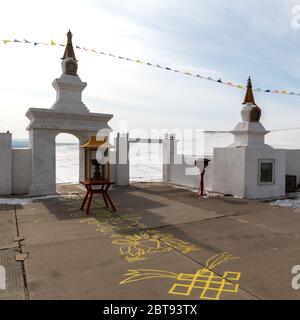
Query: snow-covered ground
column 289, row 203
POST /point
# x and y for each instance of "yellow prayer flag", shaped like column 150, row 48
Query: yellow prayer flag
column 6, row 41
column 138, row 61
column 93, row 50
column 53, row 43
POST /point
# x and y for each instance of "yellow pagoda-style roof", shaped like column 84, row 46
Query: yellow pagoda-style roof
column 96, row 142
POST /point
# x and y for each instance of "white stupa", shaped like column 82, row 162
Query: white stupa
column 250, row 132
column 249, row 168
column 69, row 86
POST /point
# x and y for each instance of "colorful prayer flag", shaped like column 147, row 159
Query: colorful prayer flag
column 53, row 43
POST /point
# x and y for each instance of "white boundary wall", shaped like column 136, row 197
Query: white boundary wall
column 5, row 164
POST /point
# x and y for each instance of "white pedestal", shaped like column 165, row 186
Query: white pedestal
column 69, row 94
column 236, row 172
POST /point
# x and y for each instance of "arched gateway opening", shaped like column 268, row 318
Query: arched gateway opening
column 67, row 158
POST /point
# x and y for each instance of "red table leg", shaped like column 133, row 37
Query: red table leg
column 90, row 191
column 84, row 200
column 87, row 212
column 108, row 198
column 103, row 195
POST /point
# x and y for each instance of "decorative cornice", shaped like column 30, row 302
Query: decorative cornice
column 34, row 113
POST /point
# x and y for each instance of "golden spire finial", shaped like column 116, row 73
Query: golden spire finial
column 249, row 98
column 69, row 51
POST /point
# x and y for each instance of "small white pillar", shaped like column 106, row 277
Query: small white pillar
column 6, row 163
column 169, row 154
column 122, row 159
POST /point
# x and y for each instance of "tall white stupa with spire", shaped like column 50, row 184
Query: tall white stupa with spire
column 250, row 132
column 249, row 168
column 69, row 86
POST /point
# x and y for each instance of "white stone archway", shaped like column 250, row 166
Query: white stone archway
column 68, row 115
column 45, row 125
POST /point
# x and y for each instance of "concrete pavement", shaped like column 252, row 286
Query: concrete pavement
column 162, row 243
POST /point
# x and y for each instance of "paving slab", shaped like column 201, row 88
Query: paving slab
column 221, row 205
column 7, row 228
column 61, row 220
column 156, row 210
column 14, row 276
column 265, row 256
column 91, row 269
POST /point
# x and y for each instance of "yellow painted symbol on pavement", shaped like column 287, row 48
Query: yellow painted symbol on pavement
column 107, row 222
column 136, row 247
column 209, row 285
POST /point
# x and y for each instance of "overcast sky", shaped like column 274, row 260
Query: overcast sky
column 218, row 38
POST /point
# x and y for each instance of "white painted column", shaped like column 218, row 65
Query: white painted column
column 83, row 138
column 42, row 143
column 6, row 163
column 122, row 160
column 169, row 153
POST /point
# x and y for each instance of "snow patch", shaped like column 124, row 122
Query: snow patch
column 288, row 203
column 23, row 201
